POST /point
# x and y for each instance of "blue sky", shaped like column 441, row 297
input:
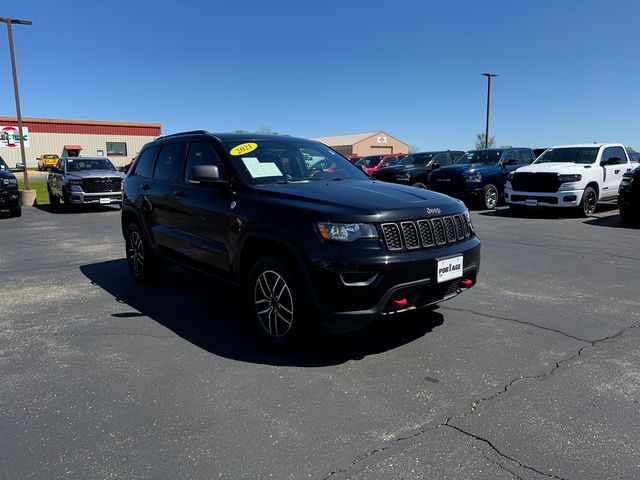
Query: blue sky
column 569, row 70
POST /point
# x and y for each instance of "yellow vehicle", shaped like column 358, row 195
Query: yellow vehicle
column 47, row 160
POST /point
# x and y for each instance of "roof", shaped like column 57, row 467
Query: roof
column 81, row 122
column 598, row 145
column 73, row 147
column 345, row 139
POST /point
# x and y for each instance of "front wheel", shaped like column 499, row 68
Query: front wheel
column 16, row 212
column 490, row 196
column 588, row 203
column 143, row 264
column 278, row 304
column 419, row 185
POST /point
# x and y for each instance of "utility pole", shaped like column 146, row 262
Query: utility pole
column 9, row 22
column 486, row 132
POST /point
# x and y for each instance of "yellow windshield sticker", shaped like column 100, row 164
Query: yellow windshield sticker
column 244, row 148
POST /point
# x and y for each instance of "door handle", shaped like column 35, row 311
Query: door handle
column 178, row 193
column 145, row 187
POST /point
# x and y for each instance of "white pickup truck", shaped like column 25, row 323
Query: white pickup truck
column 570, row 176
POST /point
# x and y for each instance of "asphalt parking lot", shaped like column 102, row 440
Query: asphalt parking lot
column 534, row 373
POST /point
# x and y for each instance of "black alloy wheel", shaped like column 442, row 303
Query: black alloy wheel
column 143, row 264
column 588, row 203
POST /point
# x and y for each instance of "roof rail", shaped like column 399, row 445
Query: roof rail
column 186, row 133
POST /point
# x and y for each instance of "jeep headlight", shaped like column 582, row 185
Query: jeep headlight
column 569, row 178
column 347, row 232
column 9, row 181
column 473, row 177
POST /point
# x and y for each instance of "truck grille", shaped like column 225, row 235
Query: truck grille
column 446, row 181
column 535, row 182
column 412, row 235
column 102, row 185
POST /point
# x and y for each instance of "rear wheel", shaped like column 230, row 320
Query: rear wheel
column 588, row 203
column 626, row 214
column 279, row 304
column 143, row 264
column 490, row 196
column 53, row 200
column 16, row 212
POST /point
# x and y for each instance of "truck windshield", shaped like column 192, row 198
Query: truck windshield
column 81, row 164
column 287, row 161
column 417, row 159
column 569, row 155
column 484, row 157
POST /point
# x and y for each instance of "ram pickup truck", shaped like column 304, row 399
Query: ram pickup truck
column 570, row 176
column 84, row 180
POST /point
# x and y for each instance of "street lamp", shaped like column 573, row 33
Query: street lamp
column 486, row 132
column 9, row 22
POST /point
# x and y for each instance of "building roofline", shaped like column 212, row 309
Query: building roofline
column 81, row 122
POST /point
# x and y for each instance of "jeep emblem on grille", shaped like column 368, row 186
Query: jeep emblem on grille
column 433, row 211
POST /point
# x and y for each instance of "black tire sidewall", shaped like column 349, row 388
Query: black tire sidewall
column 301, row 328
column 581, row 207
column 150, row 266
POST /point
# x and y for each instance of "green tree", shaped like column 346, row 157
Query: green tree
column 266, row 131
column 241, row 131
column 628, row 149
column 414, row 148
column 480, row 143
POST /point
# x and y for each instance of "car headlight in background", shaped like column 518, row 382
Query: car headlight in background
column 9, row 181
column 510, row 176
column 347, row 232
column 473, row 177
column 569, row 178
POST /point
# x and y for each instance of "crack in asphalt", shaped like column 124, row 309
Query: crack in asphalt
column 515, row 320
column 499, row 465
column 476, row 403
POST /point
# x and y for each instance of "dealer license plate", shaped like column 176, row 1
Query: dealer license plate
column 531, row 203
column 450, row 268
column 105, row 200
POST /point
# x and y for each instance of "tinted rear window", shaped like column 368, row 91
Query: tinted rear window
column 144, row 164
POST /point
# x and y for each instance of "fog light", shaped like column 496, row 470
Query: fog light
column 570, row 198
column 467, row 282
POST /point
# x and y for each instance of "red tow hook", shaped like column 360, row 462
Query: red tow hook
column 401, row 302
column 467, row 282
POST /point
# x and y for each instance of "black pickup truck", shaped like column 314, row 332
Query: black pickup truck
column 9, row 194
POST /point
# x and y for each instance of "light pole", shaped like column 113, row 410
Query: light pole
column 9, row 22
column 486, row 132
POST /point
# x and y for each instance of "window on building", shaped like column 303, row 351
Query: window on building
column 116, row 148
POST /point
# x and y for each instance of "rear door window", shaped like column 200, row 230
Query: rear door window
column 170, row 163
column 526, row 156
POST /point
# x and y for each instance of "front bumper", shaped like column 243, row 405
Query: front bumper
column 407, row 275
column 561, row 198
column 81, row 198
column 9, row 199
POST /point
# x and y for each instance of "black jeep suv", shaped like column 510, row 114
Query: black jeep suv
column 304, row 243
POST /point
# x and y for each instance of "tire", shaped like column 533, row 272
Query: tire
column 588, row 203
column 278, row 304
column 53, row 200
column 626, row 215
column 419, row 185
column 16, row 212
column 70, row 207
column 143, row 264
column 490, row 196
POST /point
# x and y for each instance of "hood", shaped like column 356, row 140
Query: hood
column 411, row 169
column 95, row 174
column 466, row 168
column 553, row 167
column 361, row 200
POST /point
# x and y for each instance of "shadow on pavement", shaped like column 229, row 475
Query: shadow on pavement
column 612, row 221
column 544, row 213
column 209, row 314
column 62, row 209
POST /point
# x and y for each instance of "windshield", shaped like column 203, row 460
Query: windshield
column 285, row 161
column 569, row 155
column 82, row 164
column 371, row 161
column 484, row 157
column 50, row 157
column 417, row 159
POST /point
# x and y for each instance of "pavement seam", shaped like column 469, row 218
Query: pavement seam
column 475, row 403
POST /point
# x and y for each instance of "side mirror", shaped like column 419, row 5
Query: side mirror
column 19, row 167
column 435, row 165
column 205, row 174
column 611, row 161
